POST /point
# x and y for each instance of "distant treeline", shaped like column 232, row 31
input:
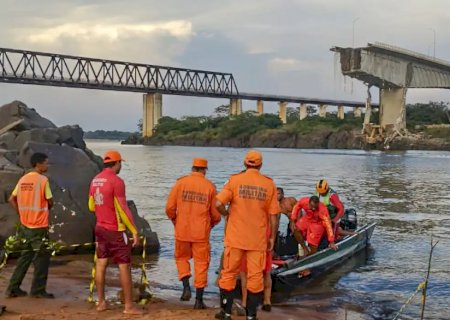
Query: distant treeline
column 107, row 135
column 220, row 126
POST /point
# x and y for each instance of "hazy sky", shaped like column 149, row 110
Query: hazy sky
column 272, row 47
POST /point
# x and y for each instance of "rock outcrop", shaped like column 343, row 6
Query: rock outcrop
column 71, row 168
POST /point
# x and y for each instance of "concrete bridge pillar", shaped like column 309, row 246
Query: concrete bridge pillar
column 392, row 109
column 260, row 107
column 303, row 111
column 341, row 113
column 283, row 115
column 322, row 111
column 357, row 112
column 152, row 113
column 236, row 107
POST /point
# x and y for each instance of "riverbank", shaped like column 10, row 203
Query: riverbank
column 69, row 280
column 321, row 138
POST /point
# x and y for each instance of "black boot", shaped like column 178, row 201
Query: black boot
column 253, row 300
column 226, row 304
column 199, row 304
column 186, row 295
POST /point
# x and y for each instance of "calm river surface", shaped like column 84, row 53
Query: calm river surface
column 406, row 193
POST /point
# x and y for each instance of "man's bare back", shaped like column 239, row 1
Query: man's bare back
column 287, row 204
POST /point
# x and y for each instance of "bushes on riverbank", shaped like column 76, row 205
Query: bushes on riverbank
column 220, row 129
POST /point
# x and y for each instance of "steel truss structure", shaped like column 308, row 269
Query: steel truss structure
column 29, row 67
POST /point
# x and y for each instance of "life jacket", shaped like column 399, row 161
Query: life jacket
column 326, row 201
column 33, row 206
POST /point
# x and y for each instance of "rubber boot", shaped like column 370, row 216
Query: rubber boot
column 253, row 300
column 226, row 304
column 186, row 295
column 199, row 304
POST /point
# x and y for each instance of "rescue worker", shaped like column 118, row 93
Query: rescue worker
column 253, row 208
column 313, row 224
column 32, row 199
column 267, row 294
column 331, row 200
column 108, row 201
column 193, row 214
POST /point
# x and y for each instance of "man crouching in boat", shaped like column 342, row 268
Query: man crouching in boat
column 313, row 224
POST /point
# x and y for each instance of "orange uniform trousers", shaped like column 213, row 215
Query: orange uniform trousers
column 232, row 262
column 312, row 230
column 200, row 251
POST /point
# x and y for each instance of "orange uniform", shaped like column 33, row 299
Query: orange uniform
column 190, row 208
column 313, row 224
column 33, row 192
column 253, row 198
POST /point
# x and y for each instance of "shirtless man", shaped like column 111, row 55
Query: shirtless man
column 286, row 205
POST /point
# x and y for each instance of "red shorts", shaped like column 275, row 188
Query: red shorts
column 267, row 267
column 113, row 244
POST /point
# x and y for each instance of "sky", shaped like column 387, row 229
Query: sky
column 270, row 47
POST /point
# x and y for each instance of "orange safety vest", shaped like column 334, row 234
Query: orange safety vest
column 33, row 206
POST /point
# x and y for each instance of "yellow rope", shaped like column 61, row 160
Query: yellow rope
column 419, row 287
column 146, row 292
column 92, row 283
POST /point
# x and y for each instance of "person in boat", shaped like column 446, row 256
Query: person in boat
column 313, row 224
column 253, row 208
column 191, row 209
column 286, row 206
column 331, row 200
column 335, row 207
column 286, row 203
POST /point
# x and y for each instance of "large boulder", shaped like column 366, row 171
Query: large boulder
column 8, row 221
column 46, row 135
column 7, row 139
column 17, row 110
column 71, row 168
column 71, row 136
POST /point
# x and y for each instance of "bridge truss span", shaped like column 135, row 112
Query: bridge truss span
column 29, row 67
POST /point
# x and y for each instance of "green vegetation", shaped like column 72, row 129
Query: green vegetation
column 426, row 114
column 107, row 135
column 220, row 126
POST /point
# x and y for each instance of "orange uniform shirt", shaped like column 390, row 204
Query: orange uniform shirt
column 190, row 207
column 321, row 215
column 252, row 198
column 32, row 192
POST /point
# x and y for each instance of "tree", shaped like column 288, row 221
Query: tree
column 292, row 114
column 222, row 110
column 140, row 126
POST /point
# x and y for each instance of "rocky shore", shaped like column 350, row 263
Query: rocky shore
column 71, row 167
column 321, row 138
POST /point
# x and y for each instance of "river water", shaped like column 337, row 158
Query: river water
column 406, row 193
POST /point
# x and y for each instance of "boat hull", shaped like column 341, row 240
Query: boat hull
column 286, row 278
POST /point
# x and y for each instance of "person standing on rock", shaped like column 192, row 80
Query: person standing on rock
column 190, row 208
column 107, row 199
column 32, row 198
column 253, row 210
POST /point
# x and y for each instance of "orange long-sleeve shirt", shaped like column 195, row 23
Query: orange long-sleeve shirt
column 190, row 207
column 320, row 215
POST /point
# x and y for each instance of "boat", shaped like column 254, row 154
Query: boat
column 286, row 272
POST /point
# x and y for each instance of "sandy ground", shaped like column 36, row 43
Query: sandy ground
column 69, row 281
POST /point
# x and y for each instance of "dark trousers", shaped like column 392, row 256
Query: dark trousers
column 33, row 251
